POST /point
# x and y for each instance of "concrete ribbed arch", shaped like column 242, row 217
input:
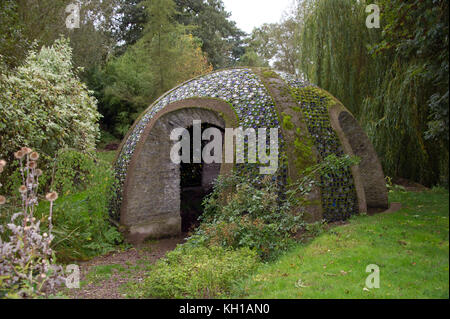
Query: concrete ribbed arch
column 372, row 175
column 151, row 197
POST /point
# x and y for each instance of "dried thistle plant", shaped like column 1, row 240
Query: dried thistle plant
column 27, row 263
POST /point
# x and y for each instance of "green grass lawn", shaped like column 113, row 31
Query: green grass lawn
column 411, row 248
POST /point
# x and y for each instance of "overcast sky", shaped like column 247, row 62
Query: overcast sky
column 249, row 14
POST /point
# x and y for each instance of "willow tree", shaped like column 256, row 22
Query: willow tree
column 394, row 79
column 333, row 48
column 407, row 114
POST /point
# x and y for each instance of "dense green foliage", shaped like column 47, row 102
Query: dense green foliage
column 12, row 44
column 165, row 55
column 407, row 114
column 277, row 42
column 73, row 171
column 23, row 22
column 239, row 214
column 147, row 47
column 81, row 223
column 164, row 42
column 333, row 51
column 391, row 91
column 131, row 25
column 242, row 213
column 410, row 247
column 220, row 39
column 82, row 226
column 394, row 79
column 251, row 59
column 198, row 272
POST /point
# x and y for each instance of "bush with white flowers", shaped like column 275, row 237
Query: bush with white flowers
column 43, row 104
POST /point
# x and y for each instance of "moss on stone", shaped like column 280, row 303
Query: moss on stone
column 304, row 153
column 269, row 74
column 312, row 94
column 315, row 104
column 287, row 121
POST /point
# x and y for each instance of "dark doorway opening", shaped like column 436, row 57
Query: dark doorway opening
column 196, row 181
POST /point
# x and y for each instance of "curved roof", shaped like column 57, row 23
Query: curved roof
column 241, row 88
column 246, row 94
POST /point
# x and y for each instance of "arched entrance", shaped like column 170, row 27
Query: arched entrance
column 196, row 182
column 154, row 199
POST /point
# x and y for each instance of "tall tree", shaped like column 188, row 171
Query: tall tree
column 165, row 55
column 43, row 21
column 394, row 79
column 132, row 18
column 407, row 113
column 278, row 42
column 333, row 52
column 221, row 40
column 161, row 32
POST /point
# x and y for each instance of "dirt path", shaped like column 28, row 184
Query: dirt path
column 103, row 277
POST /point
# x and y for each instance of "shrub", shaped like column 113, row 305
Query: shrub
column 82, row 225
column 74, row 170
column 250, row 216
column 240, row 213
column 70, row 171
column 27, row 264
column 43, row 104
column 196, row 272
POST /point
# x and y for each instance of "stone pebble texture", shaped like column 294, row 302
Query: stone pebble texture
column 254, row 107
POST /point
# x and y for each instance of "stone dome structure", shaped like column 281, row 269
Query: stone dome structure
column 148, row 197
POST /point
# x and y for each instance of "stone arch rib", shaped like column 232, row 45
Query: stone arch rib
column 371, row 172
column 212, row 111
